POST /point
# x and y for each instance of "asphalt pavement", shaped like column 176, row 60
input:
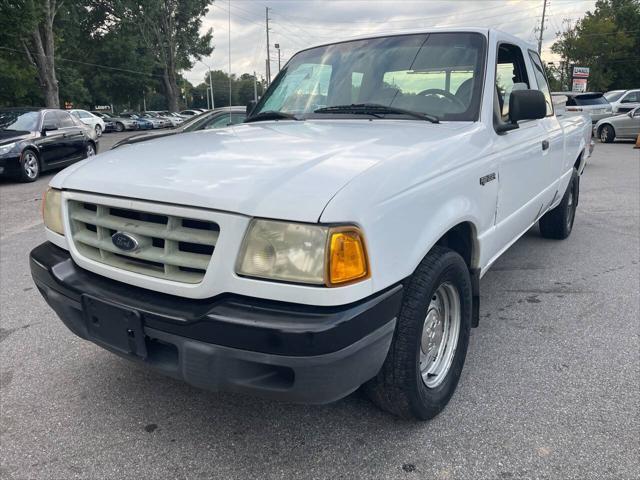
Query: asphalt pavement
column 550, row 390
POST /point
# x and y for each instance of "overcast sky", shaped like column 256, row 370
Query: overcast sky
column 296, row 24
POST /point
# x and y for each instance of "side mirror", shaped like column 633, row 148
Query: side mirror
column 250, row 106
column 48, row 128
column 630, row 114
column 524, row 105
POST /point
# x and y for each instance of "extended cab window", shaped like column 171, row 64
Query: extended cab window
column 439, row 74
column 511, row 74
column 541, row 80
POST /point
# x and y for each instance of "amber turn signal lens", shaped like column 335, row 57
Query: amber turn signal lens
column 347, row 257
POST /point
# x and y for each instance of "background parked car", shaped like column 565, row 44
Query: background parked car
column 89, row 119
column 623, row 101
column 120, row 122
column 166, row 115
column 109, row 124
column 625, row 125
column 156, row 120
column 35, row 140
column 592, row 103
column 217, row 118
column 142, row 123
column 190, row 113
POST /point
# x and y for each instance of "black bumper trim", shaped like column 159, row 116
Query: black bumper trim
column 227, row 320
column 275, row 350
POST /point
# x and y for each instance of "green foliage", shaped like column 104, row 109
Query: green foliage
column 607, row 41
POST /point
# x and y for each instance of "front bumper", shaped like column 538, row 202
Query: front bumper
column 9, row 163
column 291, row 352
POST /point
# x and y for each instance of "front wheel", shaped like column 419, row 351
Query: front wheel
column 90, row 150
column 558, row 223
column 428, row 350
column 119, row 127
column 607, row 134
column 29, row 166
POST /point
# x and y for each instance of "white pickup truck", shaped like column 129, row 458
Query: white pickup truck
column 337, row 238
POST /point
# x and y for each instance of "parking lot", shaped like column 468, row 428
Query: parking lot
column 551, row 387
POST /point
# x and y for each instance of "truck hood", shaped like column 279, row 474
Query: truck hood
column 286, row 169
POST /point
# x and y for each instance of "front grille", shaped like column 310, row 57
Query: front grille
column 170, row 247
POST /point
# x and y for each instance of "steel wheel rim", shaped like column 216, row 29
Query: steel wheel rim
column 90, row 151
column 440, row 333
column 603, row 134
column 31, row 166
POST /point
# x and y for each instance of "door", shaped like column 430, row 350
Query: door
column 52, row 143
column 629, row 101
column 529, row 157
column 629, row 126
column 74, row 137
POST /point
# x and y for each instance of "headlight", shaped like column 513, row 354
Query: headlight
column 301, row 253
column 52, row 210
column 7, row 148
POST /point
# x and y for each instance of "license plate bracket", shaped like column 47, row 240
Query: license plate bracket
column 116, row 327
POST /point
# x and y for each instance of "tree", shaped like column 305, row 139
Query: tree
column 607, row 41
column 171, row 31
column 28, row 25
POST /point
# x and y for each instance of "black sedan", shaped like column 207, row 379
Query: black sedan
column 218, row 118
column 35, row 140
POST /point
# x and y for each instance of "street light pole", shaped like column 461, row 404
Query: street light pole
column 277, row 45
column 213, row 103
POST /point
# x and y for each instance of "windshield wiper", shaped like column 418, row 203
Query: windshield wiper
column 271, row 115
column 376, row 109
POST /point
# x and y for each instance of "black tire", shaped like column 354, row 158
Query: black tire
column 119, row 127
column 29, row 166
column 399, row 387
column 90, row 150
column 607, row 134
column 558, row 223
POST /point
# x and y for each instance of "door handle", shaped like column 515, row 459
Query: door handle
column 545, row 145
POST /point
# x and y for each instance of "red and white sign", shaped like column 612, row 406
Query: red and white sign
column 580, row 72
column 579, row 85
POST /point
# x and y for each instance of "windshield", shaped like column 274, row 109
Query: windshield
column 19, row 120
column 614, row 95
column 439, row 74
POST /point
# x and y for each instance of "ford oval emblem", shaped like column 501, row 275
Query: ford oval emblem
column 124, row 241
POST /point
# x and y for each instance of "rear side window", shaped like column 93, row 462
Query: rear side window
column 64, row 119
column 541, row 80
column 511, row 74
column 51, row 120
column 590, row 99
column 632, row 97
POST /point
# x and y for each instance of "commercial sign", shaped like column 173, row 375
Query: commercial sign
column 579, row 85
column 581, row 72
column 579, row 79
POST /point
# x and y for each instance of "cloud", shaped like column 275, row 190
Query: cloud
column 298, row 24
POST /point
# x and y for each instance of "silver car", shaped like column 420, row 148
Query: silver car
column 623, row 101
column 592, row 103
column 626, row 125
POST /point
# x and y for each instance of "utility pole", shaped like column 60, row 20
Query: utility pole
column 544, row 13
column 277, row 45
column 268, row 51
column 255, row 87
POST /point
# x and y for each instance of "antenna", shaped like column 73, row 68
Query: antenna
column 229, row 30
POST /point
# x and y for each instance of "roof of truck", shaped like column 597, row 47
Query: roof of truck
column 481, row 30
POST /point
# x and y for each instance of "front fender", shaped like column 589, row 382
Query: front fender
column 402, row 227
